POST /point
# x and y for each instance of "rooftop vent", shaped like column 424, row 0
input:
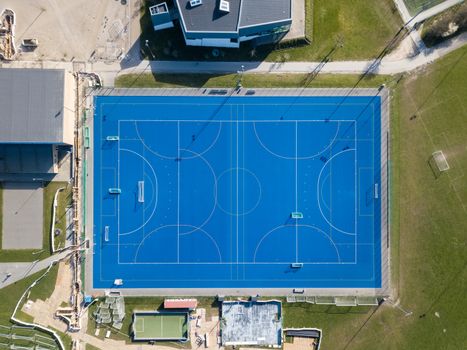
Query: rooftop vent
column 194, row 3
column 158, row 9
column 224, row 6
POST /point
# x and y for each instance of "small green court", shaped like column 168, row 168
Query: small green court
column 160, row 326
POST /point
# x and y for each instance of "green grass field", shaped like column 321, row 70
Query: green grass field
column 365, row 27
column 160, row 326
column 415, row 6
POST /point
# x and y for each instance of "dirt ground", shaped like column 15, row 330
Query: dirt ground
column 204, row 326
column 97, row 30
column 300, row 344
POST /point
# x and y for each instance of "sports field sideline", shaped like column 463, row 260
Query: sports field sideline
column 240, row 191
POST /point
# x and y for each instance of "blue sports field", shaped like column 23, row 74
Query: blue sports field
column 237, row 191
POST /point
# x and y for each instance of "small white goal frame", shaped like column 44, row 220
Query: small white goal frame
column 440, row 160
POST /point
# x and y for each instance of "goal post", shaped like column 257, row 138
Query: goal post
column 438, row 163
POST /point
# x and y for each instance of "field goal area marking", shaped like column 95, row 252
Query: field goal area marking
column 139, row 324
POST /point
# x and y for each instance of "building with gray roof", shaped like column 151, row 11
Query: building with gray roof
column 36, row 121
column 227, row 23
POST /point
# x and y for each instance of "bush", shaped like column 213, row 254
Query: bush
column 446, row 25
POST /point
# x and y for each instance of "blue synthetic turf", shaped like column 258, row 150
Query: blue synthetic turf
column 222, row 176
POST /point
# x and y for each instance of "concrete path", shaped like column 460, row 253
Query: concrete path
column 387, row 65
column 421, row 16
column 21, row 270
column 384, row 66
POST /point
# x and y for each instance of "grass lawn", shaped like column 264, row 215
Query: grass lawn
column 428, row 227
column 149, row 80
column 10, row 295
column 26, row 255
column 64, row 200
column 365, row 27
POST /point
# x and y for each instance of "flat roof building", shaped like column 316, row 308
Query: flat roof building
column 252, row 323
column 37, row 121
column 226, row 23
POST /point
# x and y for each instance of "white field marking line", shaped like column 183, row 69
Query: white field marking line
column 260, row 196
column 231, row 196
column 243, row 198
column 231, row 121
column 365, row 168
column 178, row 191
column 301, row 158
column 235, row 104
column 118, row 210
column 178, row 124
column 215, row 186
column 330, row 190
column 303, row 225
column 245, row 263
column 373, row 164
column 257, row 280
column 153, row 190
column 236, row 213
column 197, row 230
column 157, row 191
column 296, row 190
column 321, row 191
column 115, row 202
column 355, row 180
column 144, row 217
column 101, row 200
column 317, row 192
column 141, row 326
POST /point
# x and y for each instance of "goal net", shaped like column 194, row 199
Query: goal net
column 440, row 160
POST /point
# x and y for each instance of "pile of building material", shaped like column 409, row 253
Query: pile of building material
column 7, row 45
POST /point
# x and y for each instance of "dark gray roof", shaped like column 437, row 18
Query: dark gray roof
column 31, row 105
column 25, row 159
column 255, row 12
column 208, row 18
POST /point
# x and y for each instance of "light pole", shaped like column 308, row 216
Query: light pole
column 240, row 77
column 146, row 43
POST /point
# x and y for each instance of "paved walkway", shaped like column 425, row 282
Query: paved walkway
column 21, row 270
column 387, row 65
column 423, row 15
